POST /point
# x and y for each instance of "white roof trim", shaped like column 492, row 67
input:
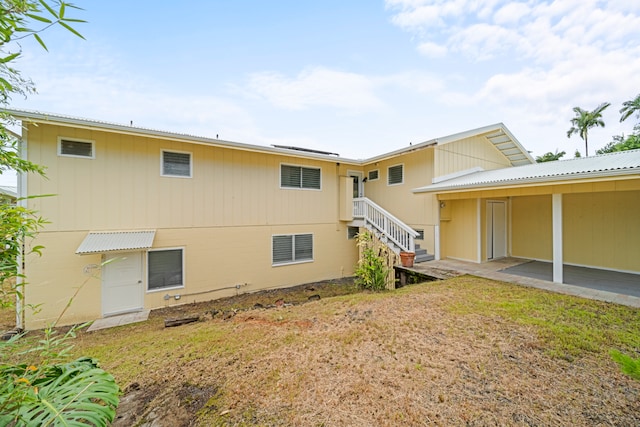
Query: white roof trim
column 623, row 163
column 110, row 241
column 492, row 131
column 453, row 175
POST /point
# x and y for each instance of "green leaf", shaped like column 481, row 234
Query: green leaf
column 68, row 27
column 9, row 58
column 78, row 393
column 49, row 9
column 39, row 18
column 37, row 37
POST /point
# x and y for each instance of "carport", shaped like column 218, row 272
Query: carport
column 569, row 215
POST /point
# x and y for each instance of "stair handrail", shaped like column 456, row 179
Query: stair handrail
column 387, row 224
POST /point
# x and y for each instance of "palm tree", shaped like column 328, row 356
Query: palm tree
column 585, row 120
column 630, row 107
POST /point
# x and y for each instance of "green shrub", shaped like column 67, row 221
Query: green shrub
column 372, row 272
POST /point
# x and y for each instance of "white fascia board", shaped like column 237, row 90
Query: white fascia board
column 191, row 139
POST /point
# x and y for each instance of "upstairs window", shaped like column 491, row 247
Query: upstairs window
column 300, row 177
column 76, row 148
column 395, row 175
column 175, row 163
column 374, row 175
column 291, row 248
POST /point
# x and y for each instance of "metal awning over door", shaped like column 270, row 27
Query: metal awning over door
column 110, row 241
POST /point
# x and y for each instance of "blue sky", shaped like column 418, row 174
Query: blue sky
column 355, row 77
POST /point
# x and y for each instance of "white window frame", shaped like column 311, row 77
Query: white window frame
column 90, row 141
column 302, row 167
column 369, row 175
column 148, row 290
column 389, row 175
column 293, row 249
column 166, row 150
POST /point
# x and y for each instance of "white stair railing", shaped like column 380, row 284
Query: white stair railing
column 391, row 228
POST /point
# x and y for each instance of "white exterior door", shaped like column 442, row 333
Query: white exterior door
column 122, row 284
column 496, row 230
column 358, row 183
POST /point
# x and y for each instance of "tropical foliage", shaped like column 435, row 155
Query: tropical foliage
column 629, row 108
column 47, row 389
column 550, row 157
column 585, row 120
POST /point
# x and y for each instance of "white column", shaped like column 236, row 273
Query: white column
column 436, row 239
column 556, row 203
column 479, row 231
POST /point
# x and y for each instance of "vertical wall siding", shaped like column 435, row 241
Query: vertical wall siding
column 224, row 217
column 531, row 226
column 466, row 154
column 602, row 229
column 459, row 235
column 122, row 188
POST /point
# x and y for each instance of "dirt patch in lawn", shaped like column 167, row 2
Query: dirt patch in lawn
column 423, row 355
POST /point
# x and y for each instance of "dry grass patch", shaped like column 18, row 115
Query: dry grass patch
column 465, row 351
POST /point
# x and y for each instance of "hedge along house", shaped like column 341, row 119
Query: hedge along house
column 581, row 212
column 142, row 219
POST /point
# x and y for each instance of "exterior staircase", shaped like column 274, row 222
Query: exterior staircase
column 397, row 235
column 422, row 255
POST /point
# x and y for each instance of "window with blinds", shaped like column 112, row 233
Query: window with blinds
column 75, row 148
column 176, row 163
column 300, row 177
column 165, row 269
column 374, row 174
column 395, row 174
column 292, row 248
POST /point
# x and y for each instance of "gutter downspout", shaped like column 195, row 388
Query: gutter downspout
column 22, row 201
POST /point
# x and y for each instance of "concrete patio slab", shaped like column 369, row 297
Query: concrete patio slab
column 499, row 270
column 122, row 319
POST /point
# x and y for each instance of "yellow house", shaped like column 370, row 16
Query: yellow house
column 142, row 219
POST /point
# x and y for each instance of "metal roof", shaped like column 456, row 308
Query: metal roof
column 9, row 191
column 612, row 164
column 109, row 241
column 497, row 134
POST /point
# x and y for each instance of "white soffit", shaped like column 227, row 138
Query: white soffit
column 109, row 241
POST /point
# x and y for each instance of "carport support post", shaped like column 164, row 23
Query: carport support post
column 556, row 203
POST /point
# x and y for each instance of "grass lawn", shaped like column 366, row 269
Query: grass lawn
column 465, row 351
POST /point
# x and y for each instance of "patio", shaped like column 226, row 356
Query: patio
column 603, row 285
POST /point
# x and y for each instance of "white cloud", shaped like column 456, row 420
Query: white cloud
column 316, row 87
column 432, row 50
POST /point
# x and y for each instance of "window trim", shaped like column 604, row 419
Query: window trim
column 147, row 290
column 90, row 141
column 293, row 249
column 166, row 150
column 369, row 175
column 301, row 187
column 389, row 175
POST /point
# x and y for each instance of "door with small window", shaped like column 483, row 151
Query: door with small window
column 122, row 285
